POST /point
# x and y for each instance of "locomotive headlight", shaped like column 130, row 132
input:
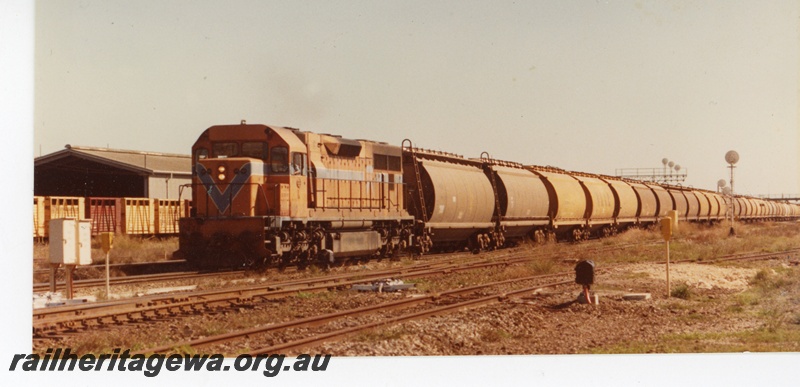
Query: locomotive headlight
column 221, row 176
column 221, row 169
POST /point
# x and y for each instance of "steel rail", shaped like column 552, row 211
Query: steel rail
column 117, row 265
column 71, row 316
column 46, row 320
column 85, row 283
column 329, row 317
column 341, row 333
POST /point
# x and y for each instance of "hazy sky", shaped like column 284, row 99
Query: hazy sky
column 585, row 85
column 582, row 85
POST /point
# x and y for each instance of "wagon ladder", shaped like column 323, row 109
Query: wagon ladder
column 415, row 162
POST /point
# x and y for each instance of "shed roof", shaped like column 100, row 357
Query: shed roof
column 134, row 161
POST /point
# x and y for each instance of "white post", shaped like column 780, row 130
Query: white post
column 108, row 281
column 668, row 290
column 666, row 232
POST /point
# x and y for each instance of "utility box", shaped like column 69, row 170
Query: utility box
column 70, row 241
column 584, row 273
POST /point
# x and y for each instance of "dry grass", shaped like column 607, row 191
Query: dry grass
column 127, row 249
column 694, row 241
column 771, row 304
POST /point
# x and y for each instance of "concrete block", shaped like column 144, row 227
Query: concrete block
column 173, row 289
column 636, row 296
column 582, row 299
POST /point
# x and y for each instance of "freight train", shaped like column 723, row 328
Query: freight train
column 281, row 196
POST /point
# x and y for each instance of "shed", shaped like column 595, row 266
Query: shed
column 104, row 172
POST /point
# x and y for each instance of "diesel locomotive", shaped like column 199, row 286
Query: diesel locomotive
column 281, row 196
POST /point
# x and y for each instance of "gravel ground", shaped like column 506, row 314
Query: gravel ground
column 554, row 323
column 550, row 322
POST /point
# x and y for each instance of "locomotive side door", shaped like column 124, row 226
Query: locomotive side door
column 298, row 185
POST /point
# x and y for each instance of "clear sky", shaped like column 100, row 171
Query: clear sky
column 582, row 85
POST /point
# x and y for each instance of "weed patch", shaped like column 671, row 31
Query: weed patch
column 682, row 291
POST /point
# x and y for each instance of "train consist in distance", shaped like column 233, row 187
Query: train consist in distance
column 280, row 196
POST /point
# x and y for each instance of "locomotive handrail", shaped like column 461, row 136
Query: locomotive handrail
column 487, row 159
column 348, row 202
column 410, row 146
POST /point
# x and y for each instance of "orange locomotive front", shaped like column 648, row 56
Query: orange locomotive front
column 266, row 194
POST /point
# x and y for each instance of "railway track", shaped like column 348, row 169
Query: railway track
column 407, row 303
column 152, row 307
column 120, row 266
column 76, row 317
column 430, row 301
column 137, row 279
column 83, row 316
column 789, row 254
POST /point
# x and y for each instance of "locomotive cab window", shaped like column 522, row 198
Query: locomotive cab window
column 225, row 149
column 298, row 164
column 256, row 150
column 280, row 159
column 200, row 154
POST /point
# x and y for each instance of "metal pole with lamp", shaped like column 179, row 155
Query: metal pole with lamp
column 732, row 157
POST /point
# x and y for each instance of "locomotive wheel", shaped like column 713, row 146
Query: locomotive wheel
column 302, row 260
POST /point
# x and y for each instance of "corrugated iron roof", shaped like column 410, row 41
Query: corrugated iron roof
column 137, row 161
